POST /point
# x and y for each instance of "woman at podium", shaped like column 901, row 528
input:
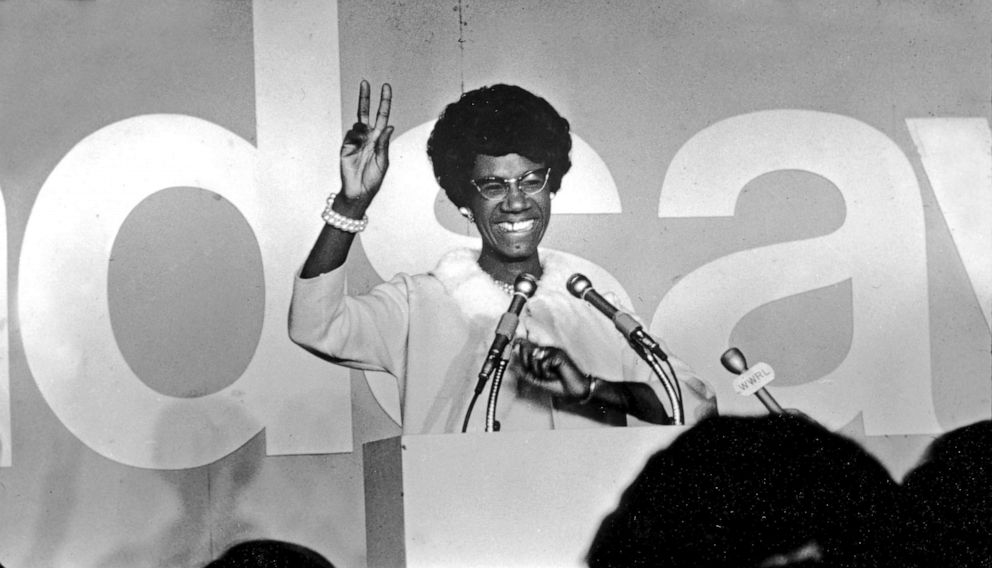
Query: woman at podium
column 500, row 153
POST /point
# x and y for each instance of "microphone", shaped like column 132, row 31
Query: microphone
column 580, row 287
column 751, row 381
column 523, row 288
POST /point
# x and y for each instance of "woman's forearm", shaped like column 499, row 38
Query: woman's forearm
column 636, row 399
column 328, row 253
column 330, row 250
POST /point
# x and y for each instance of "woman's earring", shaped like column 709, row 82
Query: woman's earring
column 553, row 194
column 467, row 213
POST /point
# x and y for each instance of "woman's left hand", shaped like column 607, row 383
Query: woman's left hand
column 551, row 369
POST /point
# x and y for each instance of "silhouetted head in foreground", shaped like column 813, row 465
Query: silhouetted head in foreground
column 269, row 554
column 949, row 494
column 767, row 491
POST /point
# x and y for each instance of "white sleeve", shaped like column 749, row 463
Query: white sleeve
column 367, row 332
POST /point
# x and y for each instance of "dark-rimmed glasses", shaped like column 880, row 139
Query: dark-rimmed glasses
column 498, row 188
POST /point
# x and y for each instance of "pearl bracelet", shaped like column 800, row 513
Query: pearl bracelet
column 339, row 221
column 593, row 383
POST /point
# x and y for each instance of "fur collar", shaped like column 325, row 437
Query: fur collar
column 477, row 294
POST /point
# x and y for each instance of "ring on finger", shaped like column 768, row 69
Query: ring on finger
column 540, row 353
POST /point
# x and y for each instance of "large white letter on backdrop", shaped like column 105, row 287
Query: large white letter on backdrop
column 303, row 403
column 957, row 156
column 881, row 249
column 407, row 236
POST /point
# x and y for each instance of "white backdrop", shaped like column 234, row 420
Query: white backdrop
column 809, row 183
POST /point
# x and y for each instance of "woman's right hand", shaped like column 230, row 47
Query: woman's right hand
column 365, row 151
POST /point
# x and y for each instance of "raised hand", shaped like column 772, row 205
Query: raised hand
column 364, row 161
column 365, row 150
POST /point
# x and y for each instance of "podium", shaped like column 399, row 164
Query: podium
column 499, row 498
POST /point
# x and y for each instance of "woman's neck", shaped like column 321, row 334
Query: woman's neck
column 507, row 270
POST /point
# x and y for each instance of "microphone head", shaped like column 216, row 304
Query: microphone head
column 578, row 285
column 525, row 284
column 733, row 360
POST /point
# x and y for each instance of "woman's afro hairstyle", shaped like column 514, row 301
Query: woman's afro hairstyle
column 495, row 121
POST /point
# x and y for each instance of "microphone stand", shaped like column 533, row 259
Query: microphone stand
column 498, row 356
column 492, row 425
column 649, row 355
column 484, row 376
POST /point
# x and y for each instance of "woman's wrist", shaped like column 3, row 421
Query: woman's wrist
column 591, row 392
column 348, row 224
column 348, row 207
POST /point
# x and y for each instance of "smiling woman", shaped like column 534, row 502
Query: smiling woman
column 499, row 153
column 511, row 214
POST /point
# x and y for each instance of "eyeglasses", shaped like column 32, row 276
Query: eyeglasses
column 498, row 188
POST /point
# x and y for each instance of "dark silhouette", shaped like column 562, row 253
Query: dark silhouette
column 265, row 553
column 778, row 490
column 949, row 494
